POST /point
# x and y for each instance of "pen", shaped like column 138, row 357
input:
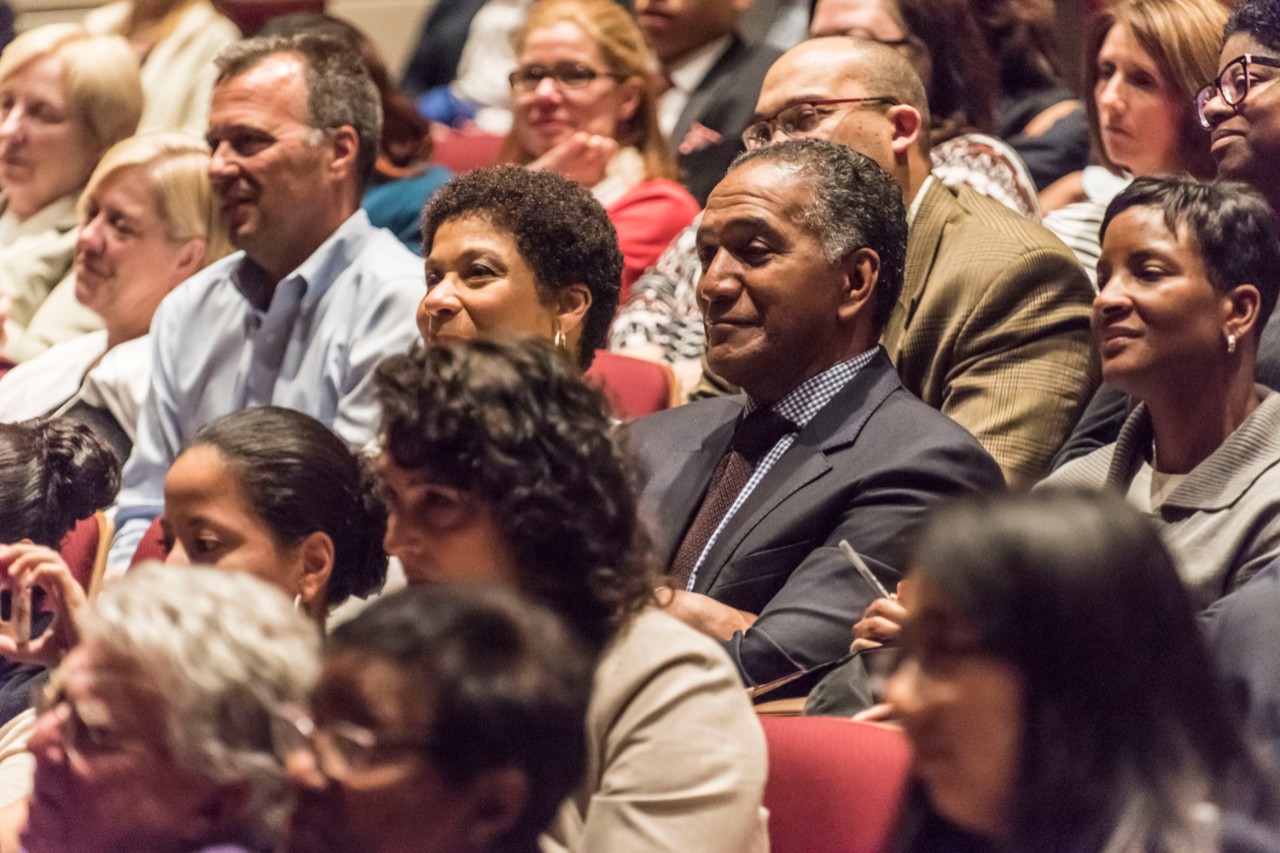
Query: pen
column 863, row 569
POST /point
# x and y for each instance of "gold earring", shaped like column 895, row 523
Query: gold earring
column 561, row 341
column 1231, row 343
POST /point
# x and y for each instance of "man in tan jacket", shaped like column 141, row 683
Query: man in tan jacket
column 992, row 326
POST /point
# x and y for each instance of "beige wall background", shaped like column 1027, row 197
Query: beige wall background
column 392, row 24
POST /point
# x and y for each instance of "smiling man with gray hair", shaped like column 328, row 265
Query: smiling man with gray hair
column 748, row 498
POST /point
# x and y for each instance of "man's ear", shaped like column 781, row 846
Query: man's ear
column 907, row 127
column 317, row 567
column 862, row 271
column 1240, row 307
column 495, row 801
column 345, row 145
column 572, row 303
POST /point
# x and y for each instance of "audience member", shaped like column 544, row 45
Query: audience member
column 992, row 325
column 481, row 697
column 515, row 252
column 274, row 493
column 710, row 78
column 154, row 733
column 1240, row 136
column 1243, row 153
column 317, row 297
column 1188, row 280
column 802, row 248
column 403, row 179
column 584, row 107
column 1047, row 711
column 148, row 220
column 500, row 467
column 942, row 41
column 65, row 98
column 1039, row 115
column 1148, row 58
column 52, row 474
column 175, row 42
column 435, row 56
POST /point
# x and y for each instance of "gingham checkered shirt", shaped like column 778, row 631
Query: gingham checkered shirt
column 800, row 406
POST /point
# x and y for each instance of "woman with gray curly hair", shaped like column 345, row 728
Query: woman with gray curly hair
column 154, row 734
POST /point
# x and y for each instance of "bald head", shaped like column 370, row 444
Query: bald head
column 845, row 68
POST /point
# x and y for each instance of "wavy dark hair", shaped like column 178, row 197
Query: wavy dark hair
column 1022, row 36
column 300, row 478
column 1123, row 713
column 506, row 683
column 53, row 472
column 963, row 91
column 512, row 424
column 559, row 228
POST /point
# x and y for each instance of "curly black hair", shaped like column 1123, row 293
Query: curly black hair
column 1258, row 18
column 513, row 424
column 561, row 231
column 300, row 478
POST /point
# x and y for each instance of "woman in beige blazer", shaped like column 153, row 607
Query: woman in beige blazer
column 500, row 467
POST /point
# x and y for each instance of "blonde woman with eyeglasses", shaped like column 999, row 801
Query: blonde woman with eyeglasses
column 584, row 106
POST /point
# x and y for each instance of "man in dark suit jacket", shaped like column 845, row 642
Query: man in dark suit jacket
column 802, row 247
column 714, row 76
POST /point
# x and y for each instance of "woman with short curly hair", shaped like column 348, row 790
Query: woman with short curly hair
column 519, row 252
column 500, row 467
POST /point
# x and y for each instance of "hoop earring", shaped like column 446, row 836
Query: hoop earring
column 1231, row 344
column 561, row 342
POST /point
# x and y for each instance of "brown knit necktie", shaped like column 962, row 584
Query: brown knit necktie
column 754, row 436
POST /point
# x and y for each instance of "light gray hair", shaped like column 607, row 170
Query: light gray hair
column 853, row 203
column 224, row 649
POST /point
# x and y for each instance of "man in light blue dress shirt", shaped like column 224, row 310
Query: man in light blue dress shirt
column 317, row 296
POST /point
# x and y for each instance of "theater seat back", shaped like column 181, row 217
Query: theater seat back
column 834, row 785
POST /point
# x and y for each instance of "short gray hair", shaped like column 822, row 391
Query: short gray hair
column 854, row 204
column 340, row 92
column 224, row 649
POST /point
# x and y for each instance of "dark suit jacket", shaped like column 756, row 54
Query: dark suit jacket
column 866, row 469
column 723, row 102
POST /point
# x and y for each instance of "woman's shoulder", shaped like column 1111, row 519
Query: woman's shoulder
column 658, row 654
column 1088, row 471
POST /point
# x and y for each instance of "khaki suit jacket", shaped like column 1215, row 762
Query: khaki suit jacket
column 992, row 328
column 676, row 759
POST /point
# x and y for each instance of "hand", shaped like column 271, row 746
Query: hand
column 882, row 713
column 25, row 566
column 704, row 613
column 581, row 158
column 881, row 623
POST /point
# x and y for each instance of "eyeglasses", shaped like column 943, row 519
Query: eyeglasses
column 566, row 75
column 339, row 749
column 800, row 119
column 83, row 724
column 1233, row 84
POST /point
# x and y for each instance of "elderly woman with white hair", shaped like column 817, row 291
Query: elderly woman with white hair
column 65, row 97
column 155, row 732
